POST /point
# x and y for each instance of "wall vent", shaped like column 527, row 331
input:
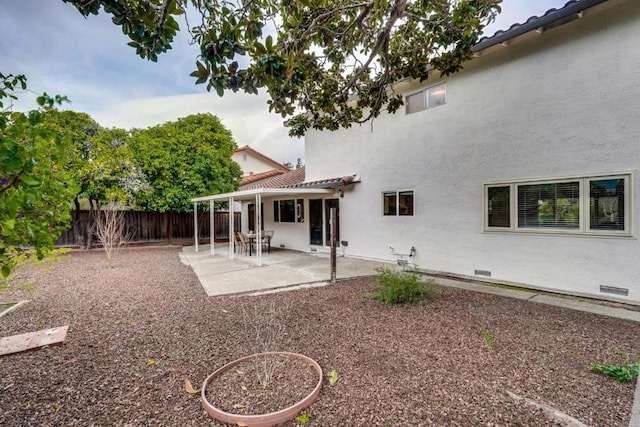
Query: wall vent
column 281, row 245
column 613, row 290
column 482, row 273
column 314, row 250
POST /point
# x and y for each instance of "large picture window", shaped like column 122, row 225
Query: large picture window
column 583, row 205
column 397, row 203
column 288, row 210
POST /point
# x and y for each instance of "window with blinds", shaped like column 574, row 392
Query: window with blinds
column 549, row 205
column 579, row 205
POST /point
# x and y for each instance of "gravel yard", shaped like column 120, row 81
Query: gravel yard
column 140, row 329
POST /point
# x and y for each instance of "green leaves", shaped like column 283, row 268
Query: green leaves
column 313, row 57
column 202, row 73
column 188, row 158
column 621, row 373
column 35, row 193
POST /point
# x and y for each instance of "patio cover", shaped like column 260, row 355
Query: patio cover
column 246, row 195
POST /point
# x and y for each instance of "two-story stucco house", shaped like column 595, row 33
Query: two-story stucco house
column 521, row 168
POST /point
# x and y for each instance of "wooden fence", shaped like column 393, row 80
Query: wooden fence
column 146, row 227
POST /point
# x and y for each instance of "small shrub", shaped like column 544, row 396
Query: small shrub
column 401, row 287
column 621, row 373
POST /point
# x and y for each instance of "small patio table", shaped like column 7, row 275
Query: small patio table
column 251, row 239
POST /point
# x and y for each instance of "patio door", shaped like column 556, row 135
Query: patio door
column 251, row 211
column 319, row 227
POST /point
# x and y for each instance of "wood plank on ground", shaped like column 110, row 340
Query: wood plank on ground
column 32, row 340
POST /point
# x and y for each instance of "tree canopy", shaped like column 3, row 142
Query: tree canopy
column 36, row 188
column 184, row 159
column 324, row 63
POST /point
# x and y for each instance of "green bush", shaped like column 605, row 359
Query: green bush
column 620, row 373
column 395, row 287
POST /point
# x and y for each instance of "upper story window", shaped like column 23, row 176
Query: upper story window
column 397, row 203
column 289, row 210
column 582, row 205
column 428, row 98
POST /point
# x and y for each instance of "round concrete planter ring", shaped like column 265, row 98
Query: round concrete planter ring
column 261, row 420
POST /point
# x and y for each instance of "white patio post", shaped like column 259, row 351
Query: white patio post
column 258, row 229
column 232, row 231
column 212, row 231
column 195, row 224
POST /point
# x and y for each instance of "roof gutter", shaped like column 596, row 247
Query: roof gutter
column 552, row 16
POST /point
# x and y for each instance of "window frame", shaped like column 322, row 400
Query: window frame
column 397, row 213
column 425, row 98
column 584, row 202
column 298, row 211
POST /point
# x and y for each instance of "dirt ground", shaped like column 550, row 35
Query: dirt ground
column 138, row 330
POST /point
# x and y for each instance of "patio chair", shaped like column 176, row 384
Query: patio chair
column 244, row 243
column 241, row 243
column 266, row 240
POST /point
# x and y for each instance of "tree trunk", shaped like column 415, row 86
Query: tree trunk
column 76, row 224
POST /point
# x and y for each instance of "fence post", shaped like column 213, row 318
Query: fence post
column 195, row 224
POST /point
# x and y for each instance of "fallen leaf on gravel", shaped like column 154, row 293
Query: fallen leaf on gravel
column 151, row 362
column 241, row 424
column 189, row 387
column 243, row 387
column 239, row 406
column 224, row 311
column 131, row 322
column 239, row 372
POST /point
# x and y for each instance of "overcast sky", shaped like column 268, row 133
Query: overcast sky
column 89, row 61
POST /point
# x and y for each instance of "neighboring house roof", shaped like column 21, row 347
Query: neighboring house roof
column 281, row 180
column 249, row 150
column 260, row 176
column 551, row 18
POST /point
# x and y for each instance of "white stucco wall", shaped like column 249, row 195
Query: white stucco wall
column 251, row 164
column 562, row 103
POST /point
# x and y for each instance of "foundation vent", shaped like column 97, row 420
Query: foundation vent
column 482, row 273
column 613, row 290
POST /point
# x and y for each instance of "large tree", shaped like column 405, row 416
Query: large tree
column 324, row 63
column 187, row 158
column 36, row 188
column 101, row 165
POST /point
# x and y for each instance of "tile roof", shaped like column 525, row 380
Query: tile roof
column 282, row 180
column 260, row 176
column 326, row 183
column 549, row 19
column 295, row 179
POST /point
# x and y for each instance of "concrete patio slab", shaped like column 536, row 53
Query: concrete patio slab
column 281, row 268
